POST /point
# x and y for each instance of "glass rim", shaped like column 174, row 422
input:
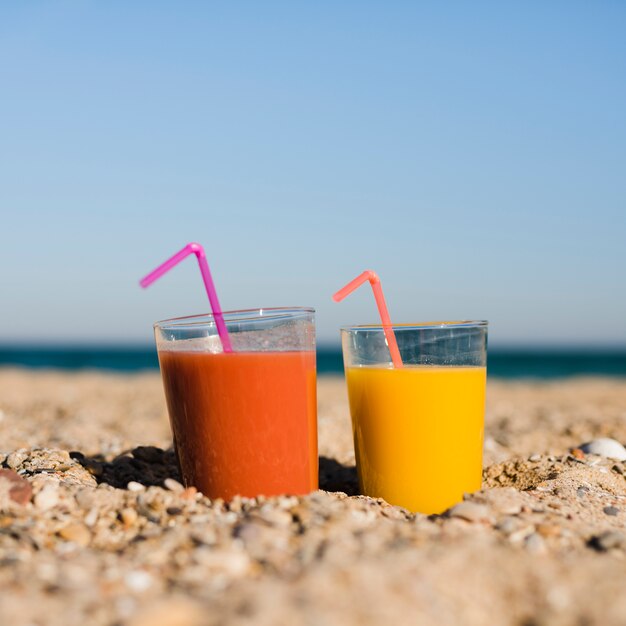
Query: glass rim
column 437, row 325
column 236, row 315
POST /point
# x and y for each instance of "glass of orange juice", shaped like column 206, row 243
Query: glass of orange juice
column 418, row 429
column 244, row 422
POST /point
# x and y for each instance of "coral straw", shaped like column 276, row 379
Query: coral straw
column 382, row 309
column 198, row 250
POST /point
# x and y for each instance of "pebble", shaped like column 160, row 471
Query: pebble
column 606, row 447
column 133, row 485
column 15, row 459
column 249, row 532
column 173, row 510
column 77, row 533
column 85, row 498
column 47, row 498
column 608, row 540
column 508, row 508
column 189, row 493
column 128, row 516
column 534, row 458
column 151, row 454
column 275, row 516
column 549, row 530
column 19, row 489
column 92, row 517
column 205, row 535
column 522, row 533
column 618, row 469
column 138, row 580
column 508, row 525
column 610, row 510
column 173, row 485
column 95, row 469
column 470, row 511
column 534, row 543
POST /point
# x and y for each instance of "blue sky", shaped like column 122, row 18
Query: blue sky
column 473, row 154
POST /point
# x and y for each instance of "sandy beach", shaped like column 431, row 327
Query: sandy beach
column 96, row 529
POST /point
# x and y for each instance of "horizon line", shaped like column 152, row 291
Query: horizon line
column 118, row 345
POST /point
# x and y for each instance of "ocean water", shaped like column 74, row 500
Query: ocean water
column 502, row 363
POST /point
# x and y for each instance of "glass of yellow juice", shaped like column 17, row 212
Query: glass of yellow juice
column 418, row 429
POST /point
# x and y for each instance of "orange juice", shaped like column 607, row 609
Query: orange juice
column 418, row 433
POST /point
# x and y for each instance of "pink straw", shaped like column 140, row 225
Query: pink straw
column 198, row 250
column 382, row 309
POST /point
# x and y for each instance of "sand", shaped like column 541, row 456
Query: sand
column 96, row 529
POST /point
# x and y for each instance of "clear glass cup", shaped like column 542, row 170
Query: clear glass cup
column 243, row 422
column 418, row 430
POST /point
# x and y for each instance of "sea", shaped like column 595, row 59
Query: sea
column 510, row 363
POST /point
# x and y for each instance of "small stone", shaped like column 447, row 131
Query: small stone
column 15, row 459
column 151, row 454
column 47, row 498
column 581, row 492
column 173, row 510
column 610, row 510
column 577, row 453
column 303, row 514
column 204, row 535
column 470, row 511
column 608, row 540
column 508, row 507
column 20, row 490
column 138, row 581
column 173, row 485
column 618, row 469
column 95, row 469
column 128, row 516
column 235, row 505
column 549, row 530
column 534, row 458
column 508, row 525
column 92, row 517
column 76, row 533
column 522, row 533
column 276, row 517
column 85, row 498
column 606, row 447
column 534, row 543
column 133, row 485
column 189, row 493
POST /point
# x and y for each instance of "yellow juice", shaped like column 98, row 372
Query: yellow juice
column 418, row 433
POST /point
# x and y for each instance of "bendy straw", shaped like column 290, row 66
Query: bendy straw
column 198, row 250
column 372, row 277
